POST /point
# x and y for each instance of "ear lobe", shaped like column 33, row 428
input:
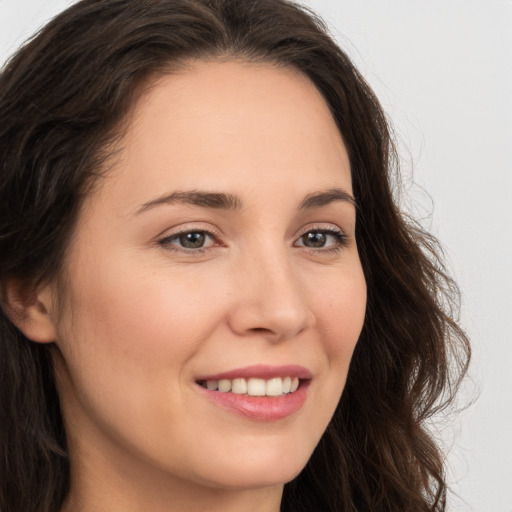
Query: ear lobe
column 30, row 310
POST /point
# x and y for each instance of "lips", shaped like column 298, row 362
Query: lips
column 261, row 372
column 258, row 392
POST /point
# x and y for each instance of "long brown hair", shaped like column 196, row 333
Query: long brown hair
column 63, row 97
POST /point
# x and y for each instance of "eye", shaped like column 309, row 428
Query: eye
column 330, row 239
column 189, row 240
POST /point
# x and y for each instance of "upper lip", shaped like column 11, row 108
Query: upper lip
column 261, row 371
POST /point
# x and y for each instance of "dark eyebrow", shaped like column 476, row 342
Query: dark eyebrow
column 318, row 199
column 222, row 201
column 215, row 200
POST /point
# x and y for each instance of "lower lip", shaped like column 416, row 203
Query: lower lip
column 260, row 408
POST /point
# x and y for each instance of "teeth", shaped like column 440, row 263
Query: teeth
column 274, row 387
column 212, row 385
column 224, row 385
column 255, row 387
column 239, row 386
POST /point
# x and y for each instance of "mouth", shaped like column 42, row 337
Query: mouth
column 277, row 386
column 262, row 393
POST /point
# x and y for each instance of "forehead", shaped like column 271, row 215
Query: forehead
column 223, row 123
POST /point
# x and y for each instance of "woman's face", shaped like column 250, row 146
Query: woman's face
column 219, row 251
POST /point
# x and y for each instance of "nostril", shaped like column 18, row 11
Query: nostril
column 260, row 330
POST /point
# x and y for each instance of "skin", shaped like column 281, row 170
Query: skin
column 141, row 317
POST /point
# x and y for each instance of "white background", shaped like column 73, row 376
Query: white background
column 443, row 71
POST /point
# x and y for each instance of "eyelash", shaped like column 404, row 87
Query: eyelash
column 341, row 240
column 166, row 242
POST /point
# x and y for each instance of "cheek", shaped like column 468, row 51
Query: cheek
column 138, row 319
column 340, row 312
column 126, row 341
column 130, row 337
column 340, row 308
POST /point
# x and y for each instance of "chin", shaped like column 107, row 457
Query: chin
column 263, row 468
column 255, row 478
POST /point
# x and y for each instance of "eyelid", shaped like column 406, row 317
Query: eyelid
column 341, row 237
column 188, row 227
column 164, row 240
column 327, row 227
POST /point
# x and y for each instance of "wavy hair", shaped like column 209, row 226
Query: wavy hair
column 63, row 99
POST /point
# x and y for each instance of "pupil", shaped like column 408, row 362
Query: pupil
column 192, row 240
column 315, row 239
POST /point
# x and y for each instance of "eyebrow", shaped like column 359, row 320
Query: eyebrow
column 214, row 200
column 223, row 201
column 318, row 199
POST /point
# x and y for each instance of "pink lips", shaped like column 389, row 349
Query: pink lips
column 261, row 371
column 261, row 408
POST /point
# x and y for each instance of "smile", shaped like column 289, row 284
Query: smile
column 258, row 392
column 277, row 386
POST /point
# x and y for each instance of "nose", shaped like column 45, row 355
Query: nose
column 270, row 299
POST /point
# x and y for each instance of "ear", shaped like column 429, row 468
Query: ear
column 30, row 310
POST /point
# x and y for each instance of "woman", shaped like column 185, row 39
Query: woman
column 209, row 299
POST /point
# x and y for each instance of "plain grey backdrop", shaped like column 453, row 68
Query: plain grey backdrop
column 443, row 72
